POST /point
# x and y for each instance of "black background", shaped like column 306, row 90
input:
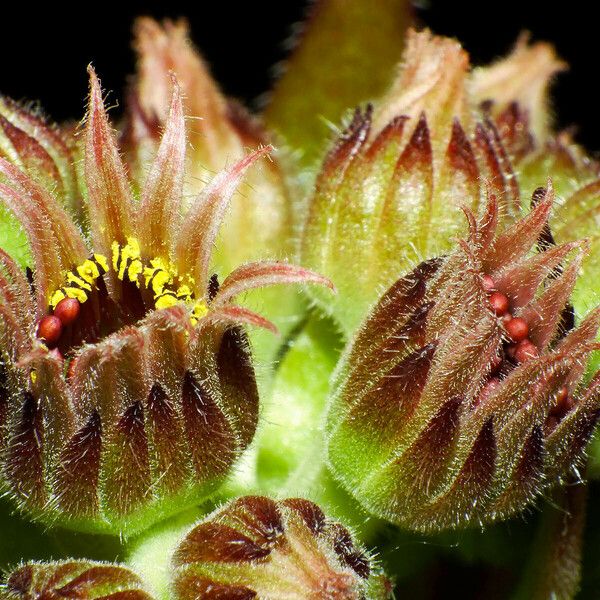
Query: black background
column 44, row 51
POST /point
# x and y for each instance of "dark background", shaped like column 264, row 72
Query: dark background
column 44, row 51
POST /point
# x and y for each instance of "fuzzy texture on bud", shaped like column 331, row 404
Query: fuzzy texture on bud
column 439, row 418
column 84, row 580
column 391, row 189
column 255, row 547
column 138, row 403
column 44, row 151
column 576, row 178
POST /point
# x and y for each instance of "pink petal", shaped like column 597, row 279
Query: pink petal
column 161, row 196
column 52, row 146
column 521, row 281
column 544, row 314
column 236, row 315
column 197, row 235
column 109, row 196
column 72, row 249
column 18, row 289
column 261, row 274
column 43, row 243
column 489, row 222
column 30, row 154
column 518, row 239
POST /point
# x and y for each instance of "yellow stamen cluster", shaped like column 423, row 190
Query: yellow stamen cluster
column 81, row 280
column 159, row 276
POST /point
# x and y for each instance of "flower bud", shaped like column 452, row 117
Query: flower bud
column 576, row 179
column 578, row 183
column 523, row 77
column 73, row 579
column 439, row 419
column 391, row 189
column 255, row 547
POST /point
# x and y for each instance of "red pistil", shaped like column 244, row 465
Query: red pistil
column 499, row 303
column 526, row 350
column 67, row 310
column 49, row 329
column 517, row 329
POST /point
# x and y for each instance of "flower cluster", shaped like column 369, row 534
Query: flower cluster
column 448, row 384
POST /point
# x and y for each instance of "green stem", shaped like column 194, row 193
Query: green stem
column 150, row 554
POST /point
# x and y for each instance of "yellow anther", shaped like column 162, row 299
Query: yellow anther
column 199, row 311
column 123, row 258
column 135, row 269
column 78, row 281
column 184, row 293
column 56, row 297
column 73, row 292
column 88, row 271
column 166, row 301
column 102, row 261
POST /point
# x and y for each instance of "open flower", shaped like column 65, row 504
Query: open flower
column 256, row 547
column 461, row 397
column 126, row 386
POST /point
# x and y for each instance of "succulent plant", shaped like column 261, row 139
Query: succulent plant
column 449, row 386
column 73, row 579
column 390, row 190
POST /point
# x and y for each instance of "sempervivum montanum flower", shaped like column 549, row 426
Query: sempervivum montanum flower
column 126, row 385
column 390, row 190
column 255, row 547
column 258, row 224
column 73, row 579
column 461, row 398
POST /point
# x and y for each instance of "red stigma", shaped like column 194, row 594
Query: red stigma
column 517, row 329
column 526, row 350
